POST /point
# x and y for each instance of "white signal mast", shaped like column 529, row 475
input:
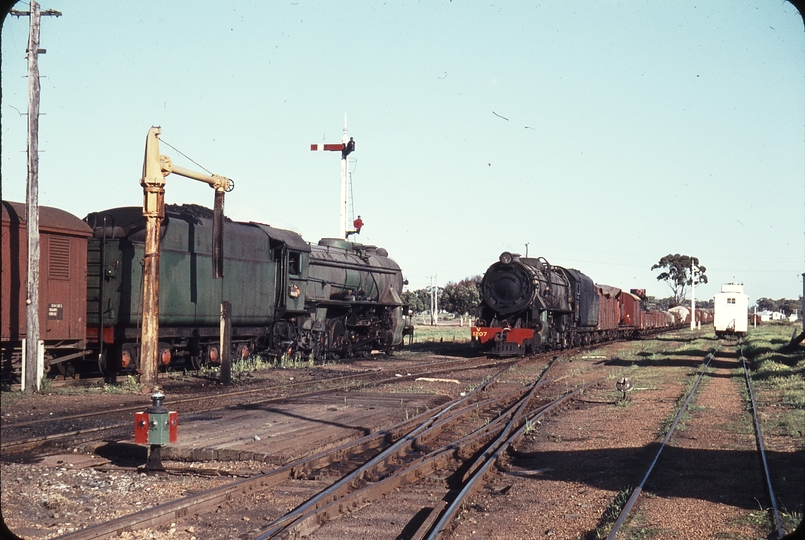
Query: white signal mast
column 346, row 147
column 693, row 271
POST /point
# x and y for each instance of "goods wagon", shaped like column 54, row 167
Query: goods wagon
column 62, row 286
column 730, row 310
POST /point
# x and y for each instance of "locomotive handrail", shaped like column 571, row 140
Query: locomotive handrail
column 352, row 266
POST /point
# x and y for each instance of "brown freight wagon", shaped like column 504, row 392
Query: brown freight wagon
column 631, row 313
column 609, row 315
column 62, row 287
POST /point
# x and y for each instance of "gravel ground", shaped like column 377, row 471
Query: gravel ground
column 558, row 483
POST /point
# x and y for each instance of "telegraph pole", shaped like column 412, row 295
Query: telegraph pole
column 31, row 366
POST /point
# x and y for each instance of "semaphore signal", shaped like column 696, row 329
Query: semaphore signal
column 346, row 147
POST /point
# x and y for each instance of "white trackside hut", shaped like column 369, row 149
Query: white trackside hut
column 731, row 310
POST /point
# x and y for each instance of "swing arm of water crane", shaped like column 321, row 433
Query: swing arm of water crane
column 156, row 168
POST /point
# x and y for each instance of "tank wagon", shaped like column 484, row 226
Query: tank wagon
column 331, row 300
column 528, row 305
column 62, row 286
column 730, row 310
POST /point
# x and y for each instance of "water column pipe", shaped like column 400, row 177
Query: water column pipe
column 155, row 169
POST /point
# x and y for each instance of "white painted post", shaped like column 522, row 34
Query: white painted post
column 344, row 160
column 692, row 296
column 40, row 364
column 23, row 375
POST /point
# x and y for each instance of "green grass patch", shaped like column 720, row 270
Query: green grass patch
column 441, row 334
column 129, row 385
column 611, row 514
column 778, row 376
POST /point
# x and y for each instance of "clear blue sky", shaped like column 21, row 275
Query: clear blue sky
column 632, row 129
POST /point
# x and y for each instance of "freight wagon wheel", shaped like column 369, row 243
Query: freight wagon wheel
column 107, row 367
column 66, row 369
column 102, row 362
column 165, row 356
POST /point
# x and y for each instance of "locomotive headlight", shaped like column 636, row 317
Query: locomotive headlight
column 506, row 257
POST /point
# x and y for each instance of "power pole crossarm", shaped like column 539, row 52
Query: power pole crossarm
column 46, row 13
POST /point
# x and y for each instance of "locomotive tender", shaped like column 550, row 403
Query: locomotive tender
column 332, row 300
column 528, row 305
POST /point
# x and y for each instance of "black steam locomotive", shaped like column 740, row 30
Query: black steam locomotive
column 335, row 299
column 529, row 305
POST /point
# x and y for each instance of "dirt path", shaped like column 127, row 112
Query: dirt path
column 709, row 482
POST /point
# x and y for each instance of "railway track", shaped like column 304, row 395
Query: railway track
column 436, row 476
column 57, row 433
column 638, row 491
column 464, row 436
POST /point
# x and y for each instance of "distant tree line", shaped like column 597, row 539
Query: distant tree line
column 783, row 305
column 677, row 273
column 458, row 298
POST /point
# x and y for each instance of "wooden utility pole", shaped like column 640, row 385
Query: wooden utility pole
column 31, row 366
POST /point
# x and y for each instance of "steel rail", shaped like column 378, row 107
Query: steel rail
column 762, row 447
column 181, row 508
column 337, row 492
column 309, row 516
column 442, row 365
column 456, row 452
column 409, row 474
column 474, row 477
column 30, row 443
column 194, row 504
column 636, row 493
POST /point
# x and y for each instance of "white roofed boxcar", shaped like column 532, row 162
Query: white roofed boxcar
column 731, row 309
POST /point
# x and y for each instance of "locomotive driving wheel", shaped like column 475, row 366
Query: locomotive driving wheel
column 102, row 362
column 336, row 334
column 321, row 344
